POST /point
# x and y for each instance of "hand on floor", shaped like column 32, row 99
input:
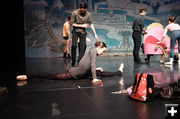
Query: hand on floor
column 96, row 81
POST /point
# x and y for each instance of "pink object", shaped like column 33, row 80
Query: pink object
column 154, row 35
column 150, row 49
column 129, row 91
column 162, row 76
column 164, row 79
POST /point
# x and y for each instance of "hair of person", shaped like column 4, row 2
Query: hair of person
column 101, row 44
column 83, row 5
column 142, row 10
column 172, row 19
column 68, row 18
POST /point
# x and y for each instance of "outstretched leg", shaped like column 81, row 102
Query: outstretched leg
column 58, row 76
column 109, row 74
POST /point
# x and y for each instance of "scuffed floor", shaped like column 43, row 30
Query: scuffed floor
column 79, row 99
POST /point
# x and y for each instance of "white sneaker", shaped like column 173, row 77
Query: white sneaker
column 121, row 67
column 21, row 77
column 170, row 67
column 168, row 63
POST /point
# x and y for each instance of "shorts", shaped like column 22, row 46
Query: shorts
column 65, row 37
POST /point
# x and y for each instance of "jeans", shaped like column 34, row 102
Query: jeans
column 175, row 35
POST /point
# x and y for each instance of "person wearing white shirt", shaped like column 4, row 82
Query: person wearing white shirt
column 174, row 28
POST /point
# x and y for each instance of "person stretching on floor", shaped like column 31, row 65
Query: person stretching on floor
column 86, row 67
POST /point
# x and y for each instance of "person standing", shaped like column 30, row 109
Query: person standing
column 138, row 30
column 80, row 21
column 66, row 36
column 174, row 28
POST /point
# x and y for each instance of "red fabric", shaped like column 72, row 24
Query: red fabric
column 142, row 88
column 153, row 40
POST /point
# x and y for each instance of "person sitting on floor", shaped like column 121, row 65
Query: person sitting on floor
column 86, row 67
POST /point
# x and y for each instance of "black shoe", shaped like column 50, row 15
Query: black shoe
column 139, row 62
column 68, row 56
column 147, row 60
column 64, row 56
column 176, row 58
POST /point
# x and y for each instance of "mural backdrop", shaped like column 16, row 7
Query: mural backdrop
column 44, row 19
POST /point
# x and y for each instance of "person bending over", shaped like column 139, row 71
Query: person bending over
column 174, row 28
column 80, row 21
column 85, row 68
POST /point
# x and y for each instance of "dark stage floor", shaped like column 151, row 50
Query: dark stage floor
column 79, row 99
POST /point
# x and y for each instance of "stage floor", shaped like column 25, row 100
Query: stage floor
column 79, row 99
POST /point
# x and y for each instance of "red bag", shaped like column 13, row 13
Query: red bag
column 143, row 87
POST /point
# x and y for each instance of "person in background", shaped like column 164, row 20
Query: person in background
column 66, row 36
column 138, row 30
column 174, row 28
column 80, row 20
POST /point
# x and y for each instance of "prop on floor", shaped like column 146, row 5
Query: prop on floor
column 123, row 91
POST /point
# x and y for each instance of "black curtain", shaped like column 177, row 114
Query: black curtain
column 12, row 49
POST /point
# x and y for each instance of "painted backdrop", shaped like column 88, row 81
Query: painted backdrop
column 44, row 19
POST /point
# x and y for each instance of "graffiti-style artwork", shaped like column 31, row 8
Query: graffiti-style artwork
column 44, row 19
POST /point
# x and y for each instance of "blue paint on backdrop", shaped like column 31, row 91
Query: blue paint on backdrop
column 110, row 42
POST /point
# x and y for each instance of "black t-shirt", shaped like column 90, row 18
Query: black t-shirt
column 138, row 23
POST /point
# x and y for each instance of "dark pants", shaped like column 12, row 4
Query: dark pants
column 67, row 75
column 108, row 74
column 81, row 46
column 137, row 44
column 57, row 76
